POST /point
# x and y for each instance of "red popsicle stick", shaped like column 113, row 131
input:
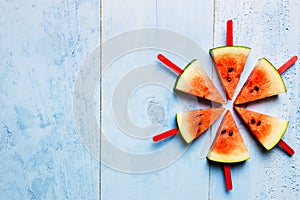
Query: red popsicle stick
column 170, row 64
column 287, row 64
column 286, row 147
column 229, row 33
column 282, row 69
column 164, row 135
column 227, row 175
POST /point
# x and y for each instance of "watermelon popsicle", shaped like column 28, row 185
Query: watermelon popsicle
column 268, row 130
column 192, row 124
column 264, row 81
column 229, row 61
column 193, row 80
column 228, row 147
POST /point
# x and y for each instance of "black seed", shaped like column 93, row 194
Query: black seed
column 230, row 133
column 258, row 123
column 223, row 131
column 256, row 88
column 199, row 115
column 251, row 91
column 199, row 124
column 228, row 79
column 230, row 69
column 252, row 121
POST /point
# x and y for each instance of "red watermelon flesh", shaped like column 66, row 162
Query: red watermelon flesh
column 267, row 129
column 228, row 145
column 195, row 81
column 264, row 81
column 230, row 62
column 193, row 123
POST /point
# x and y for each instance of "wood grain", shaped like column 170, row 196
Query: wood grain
column 43, row 47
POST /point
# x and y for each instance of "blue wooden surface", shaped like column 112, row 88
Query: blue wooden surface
column 42, row 46
column 170, row 182
column 46, row 152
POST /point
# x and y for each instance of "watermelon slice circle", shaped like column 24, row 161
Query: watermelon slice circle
column 264, row 81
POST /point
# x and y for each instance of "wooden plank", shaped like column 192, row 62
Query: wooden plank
column 187, row 176
column 43, row 45
column 271, row 29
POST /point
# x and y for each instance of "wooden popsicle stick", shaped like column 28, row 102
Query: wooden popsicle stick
column 229, row 33
column 164, row 135
column 170, row 64
column 286, row 147
column 227, row 174
column 287, row 64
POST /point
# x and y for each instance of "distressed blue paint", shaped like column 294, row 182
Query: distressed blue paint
column 43, row 45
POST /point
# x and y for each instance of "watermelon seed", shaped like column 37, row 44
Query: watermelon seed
column 230, row 69
column 251, row 91
column 252, row 121
column 199, row 124
column 230, row 133
column 228, row 79
column 256, row 88
column 199, row 115
column 223, row 131
column 258, row 123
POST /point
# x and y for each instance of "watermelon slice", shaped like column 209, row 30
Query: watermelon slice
column 264, row 81
column 230, row 62
column 195, row 81
column 228, row 145
column 267, row 129
column 193, row 123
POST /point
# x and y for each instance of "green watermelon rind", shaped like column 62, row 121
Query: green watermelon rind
column 179, row 124
column 276, row 72
column 211, row 51
column 211, row 158
column 278, row 137
column 188, row 66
